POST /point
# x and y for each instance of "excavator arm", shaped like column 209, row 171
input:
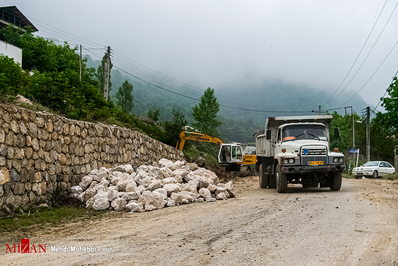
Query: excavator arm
column 185, row 135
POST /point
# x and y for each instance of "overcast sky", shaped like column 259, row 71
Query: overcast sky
column 214, row 43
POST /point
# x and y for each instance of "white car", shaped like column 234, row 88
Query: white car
column 373, row 169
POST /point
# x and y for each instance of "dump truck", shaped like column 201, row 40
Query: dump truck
column 296, row 150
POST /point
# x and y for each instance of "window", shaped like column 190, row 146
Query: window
column 236, row 152
column 297, row 132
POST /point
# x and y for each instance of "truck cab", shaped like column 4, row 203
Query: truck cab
column 295, row 150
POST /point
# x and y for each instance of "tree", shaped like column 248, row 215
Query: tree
column 124, row 97
column 174, row 127
column 154, row 114
column 101, row 75
column 10, row 75
column 391, row 105
column 205, row 114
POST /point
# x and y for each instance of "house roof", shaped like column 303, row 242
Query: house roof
column 11, row 14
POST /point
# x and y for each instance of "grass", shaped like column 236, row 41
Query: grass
column 46, row 216
column 348, row 176
column 390, row 176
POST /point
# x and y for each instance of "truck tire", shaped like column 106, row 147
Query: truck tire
column 336, row 181
column 281, row 180
column 262, row 177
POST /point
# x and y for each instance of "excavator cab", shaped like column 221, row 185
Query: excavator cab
column 230, row 155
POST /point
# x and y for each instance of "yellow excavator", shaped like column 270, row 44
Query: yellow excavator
column 230, row 155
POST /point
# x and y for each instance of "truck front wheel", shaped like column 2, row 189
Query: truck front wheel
column 336, row 181
column 262, row 177
column 281, row 180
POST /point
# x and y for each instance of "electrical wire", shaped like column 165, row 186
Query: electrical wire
column 385, row 92
column 65, row 35
column 366, row 55
column 223, row 105
column 360, row 52
column 372, row 74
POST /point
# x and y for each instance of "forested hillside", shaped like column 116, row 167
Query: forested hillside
column 244, row 105
column 50, row 76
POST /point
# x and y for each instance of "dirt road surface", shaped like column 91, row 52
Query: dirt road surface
column 355, row 226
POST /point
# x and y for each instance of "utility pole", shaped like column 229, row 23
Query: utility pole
column 107, row 69
column 368, row 133
column 319, row 110
column 353, row 126
column 80, row 62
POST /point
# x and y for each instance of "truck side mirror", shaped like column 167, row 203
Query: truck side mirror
column 336, row 133
column 268, row 134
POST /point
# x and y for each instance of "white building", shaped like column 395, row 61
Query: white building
column 12, row 15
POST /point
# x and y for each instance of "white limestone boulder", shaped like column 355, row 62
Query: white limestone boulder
column 205, row 193
column 155, row 184
column 165, row 173
column 76, row 190
column 172, row 188
column 101, row 201
column 86, row 181
column 166, row 163
column 131, row 186
column 162, row 191
column 119, row 204
column 151, row 198
column 129, row 169
column 133, row 207
column 128, row 196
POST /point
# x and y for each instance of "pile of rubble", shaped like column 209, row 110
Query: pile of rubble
column 150, row 187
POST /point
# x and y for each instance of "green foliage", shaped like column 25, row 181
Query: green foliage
column 173, row 128
column 101, row 75
column 11, row 76
column 205, row 114
column 154, row 114
column 381, row 141
column 391, row 105
column 45, row 217
column 193, row 151
column 11, row 35
column 124, row 97
column 233, row 130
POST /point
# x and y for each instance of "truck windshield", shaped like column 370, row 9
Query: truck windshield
column 297, row 132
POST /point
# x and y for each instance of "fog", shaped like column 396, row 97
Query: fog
column 234, row 45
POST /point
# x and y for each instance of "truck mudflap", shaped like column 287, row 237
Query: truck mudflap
column 312, row 169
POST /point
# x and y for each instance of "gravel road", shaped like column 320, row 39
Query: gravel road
column 354, row 226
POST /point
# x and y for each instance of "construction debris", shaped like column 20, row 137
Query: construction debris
column 150, row 187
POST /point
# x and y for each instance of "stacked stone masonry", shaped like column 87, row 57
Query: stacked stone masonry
column 41, row 153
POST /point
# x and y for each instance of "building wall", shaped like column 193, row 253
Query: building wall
column 41, row 153
column 11, row 51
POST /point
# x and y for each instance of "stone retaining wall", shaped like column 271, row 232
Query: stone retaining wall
column 41, row 153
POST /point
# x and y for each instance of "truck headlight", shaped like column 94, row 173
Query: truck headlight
column 285, row 161
column 335, row 160
column 291, row 160
column 341, row 160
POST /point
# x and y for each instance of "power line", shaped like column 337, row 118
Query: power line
column 385, row 92
column 196, row 99
column 67, row 32
column 372, row 74
column 367, row 54
column 77, row 38
column 363, row 46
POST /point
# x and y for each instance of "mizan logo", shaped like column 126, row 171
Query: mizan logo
column 25, row 247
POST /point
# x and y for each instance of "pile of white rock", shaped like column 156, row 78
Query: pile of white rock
column 150, row 187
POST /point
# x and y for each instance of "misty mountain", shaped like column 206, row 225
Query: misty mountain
column 244, row 105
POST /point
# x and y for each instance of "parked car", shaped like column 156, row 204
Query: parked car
column 373, row 169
